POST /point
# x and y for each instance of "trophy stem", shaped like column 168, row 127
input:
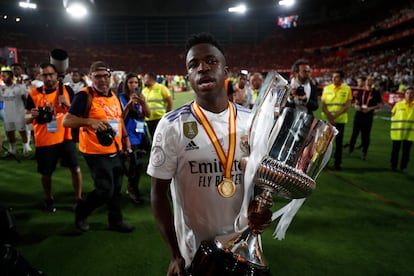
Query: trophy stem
column 247, row 247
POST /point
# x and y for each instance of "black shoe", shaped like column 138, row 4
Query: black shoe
column 75, row 205
column 49, row 206
column 338, row 168
column 81, row 221
column 364, row 157
column 122, row 227
column 82, row 224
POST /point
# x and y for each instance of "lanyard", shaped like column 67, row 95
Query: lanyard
column 46, row 103
column 367, row 99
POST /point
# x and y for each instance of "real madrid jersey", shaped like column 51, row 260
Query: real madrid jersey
column 13, row 103
column 182, row 151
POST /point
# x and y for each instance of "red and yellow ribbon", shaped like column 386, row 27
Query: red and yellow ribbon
column 226, row 160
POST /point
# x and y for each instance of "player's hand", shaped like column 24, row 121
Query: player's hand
column 176, row 267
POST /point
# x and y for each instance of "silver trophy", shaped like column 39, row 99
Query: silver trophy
column 288, row 149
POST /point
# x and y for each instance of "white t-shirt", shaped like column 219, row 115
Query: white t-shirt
column 183, row 152
column 14, row 110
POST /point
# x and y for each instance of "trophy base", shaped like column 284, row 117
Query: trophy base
column 211, row 260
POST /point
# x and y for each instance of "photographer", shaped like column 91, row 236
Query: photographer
column 304, row 95
column 45, row 108
column 98, row 113
column 135, row 111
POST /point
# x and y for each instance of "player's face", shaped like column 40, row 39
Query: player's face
column 6, row 77
column 207, row 71
column 242, row 81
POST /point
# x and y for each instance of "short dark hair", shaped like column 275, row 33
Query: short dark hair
column 295, row 67
column 340, row 73
column 16, row 65
column 201, row 38
column 152, row 75
column 44, row 65
column 363, row 78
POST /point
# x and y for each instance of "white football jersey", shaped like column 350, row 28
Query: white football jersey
column 183, row 152
column 14, row 109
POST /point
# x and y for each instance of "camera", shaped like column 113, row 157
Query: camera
column 300, row 91
column 137, row 90
column 45, row 115
column 105, row 137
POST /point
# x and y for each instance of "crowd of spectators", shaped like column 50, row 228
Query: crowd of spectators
column 331, row 47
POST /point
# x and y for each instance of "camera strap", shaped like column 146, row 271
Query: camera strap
column 60, row 87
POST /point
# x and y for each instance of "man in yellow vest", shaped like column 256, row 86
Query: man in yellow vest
column 402, row 129
column 336, row 100
column 158, row 98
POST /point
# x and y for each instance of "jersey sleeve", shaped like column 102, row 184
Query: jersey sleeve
column 163, row 158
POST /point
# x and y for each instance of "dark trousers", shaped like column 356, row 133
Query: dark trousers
column 107, row 173
column 363, row 125
column 136, row 167
column 152, row 125
column 339, row 140
column 406, row 147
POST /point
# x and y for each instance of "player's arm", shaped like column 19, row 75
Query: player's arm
column 163, row 214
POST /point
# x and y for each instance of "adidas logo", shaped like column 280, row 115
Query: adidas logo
column 191, row 146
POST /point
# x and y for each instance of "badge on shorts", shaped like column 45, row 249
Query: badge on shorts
column 190, row 129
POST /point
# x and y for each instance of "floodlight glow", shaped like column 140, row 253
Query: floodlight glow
column 286, row 2
column 27, row 5
column 77, row 10
column 238, row 9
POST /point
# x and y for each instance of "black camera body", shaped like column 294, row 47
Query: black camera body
column 106, row 137
column 45, row 115
column 300, row 91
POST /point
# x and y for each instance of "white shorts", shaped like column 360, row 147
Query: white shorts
column 13, row 126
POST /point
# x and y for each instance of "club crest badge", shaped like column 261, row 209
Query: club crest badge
column 190, row 129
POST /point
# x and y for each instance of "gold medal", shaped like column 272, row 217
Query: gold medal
column 226, row 188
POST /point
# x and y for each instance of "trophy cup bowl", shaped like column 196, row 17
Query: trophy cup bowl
column 288, row 150
column 298, row 147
